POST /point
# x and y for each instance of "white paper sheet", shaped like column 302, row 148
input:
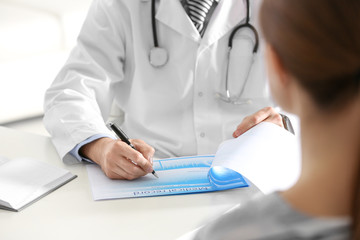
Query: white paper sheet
column 268, row 155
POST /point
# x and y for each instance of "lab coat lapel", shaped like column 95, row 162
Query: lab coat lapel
column 172, row 14
column 226, row 16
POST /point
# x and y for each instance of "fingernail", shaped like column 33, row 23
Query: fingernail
column 148, row 168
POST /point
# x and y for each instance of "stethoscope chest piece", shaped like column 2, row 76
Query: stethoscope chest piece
column 158, row 57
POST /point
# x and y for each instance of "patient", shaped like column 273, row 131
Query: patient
column 313, row 54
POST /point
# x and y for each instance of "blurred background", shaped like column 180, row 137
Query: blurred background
column 36, row 37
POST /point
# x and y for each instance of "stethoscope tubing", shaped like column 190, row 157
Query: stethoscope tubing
column 153, row 24
column 158, row 55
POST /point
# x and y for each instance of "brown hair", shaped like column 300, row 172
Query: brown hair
column 318, row 42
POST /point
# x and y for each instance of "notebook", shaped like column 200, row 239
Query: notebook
column 267, row 155
column 25, row 180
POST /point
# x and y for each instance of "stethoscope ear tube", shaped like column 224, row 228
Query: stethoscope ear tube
column 245, row 25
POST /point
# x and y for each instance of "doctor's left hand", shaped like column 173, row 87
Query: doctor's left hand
column 118, row 160
column 267, row 114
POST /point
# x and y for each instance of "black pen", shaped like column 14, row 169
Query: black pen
column 124, row 138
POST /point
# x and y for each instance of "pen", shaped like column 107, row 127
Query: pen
column 124, row 138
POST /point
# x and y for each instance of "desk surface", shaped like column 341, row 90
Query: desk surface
column 71, row 213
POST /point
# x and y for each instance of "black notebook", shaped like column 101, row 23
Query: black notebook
column 24, row 181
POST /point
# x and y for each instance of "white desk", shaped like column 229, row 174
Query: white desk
column 71, row 213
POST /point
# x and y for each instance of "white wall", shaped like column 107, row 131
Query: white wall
column 35, row 39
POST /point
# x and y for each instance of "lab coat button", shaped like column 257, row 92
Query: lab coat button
column 202, row 134
column 200, row 94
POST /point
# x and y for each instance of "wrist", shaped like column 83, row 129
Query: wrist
column 95, row 149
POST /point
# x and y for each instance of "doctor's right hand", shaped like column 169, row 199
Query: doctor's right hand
column 118, row 160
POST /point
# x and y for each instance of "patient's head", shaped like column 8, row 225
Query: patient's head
column 316, row 43
column 313, row 53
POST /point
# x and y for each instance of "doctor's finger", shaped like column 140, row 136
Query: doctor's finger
column 120, row 171
column 129, row 170
column 276, row 119
column 146, row 150
column 254, row 119
column 137, row 157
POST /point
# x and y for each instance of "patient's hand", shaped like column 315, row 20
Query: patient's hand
column 267, row 114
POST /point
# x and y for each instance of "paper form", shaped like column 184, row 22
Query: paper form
column 267, row 155
column 176, row 176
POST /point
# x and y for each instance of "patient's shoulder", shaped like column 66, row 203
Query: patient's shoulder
column 271, row 217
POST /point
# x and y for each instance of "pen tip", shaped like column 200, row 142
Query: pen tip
column 155, row 174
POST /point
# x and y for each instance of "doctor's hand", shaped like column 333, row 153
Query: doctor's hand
column 118, row 160
column 267, row 114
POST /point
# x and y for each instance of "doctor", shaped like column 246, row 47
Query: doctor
column 171, row 75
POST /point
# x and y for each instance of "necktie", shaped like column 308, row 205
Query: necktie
column 200, row 12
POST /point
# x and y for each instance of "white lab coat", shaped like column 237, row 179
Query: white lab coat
column 172, row 108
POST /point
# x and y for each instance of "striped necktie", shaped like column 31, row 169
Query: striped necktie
column 200, row 12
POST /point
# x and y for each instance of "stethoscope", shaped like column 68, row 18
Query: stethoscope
column 158, row 56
